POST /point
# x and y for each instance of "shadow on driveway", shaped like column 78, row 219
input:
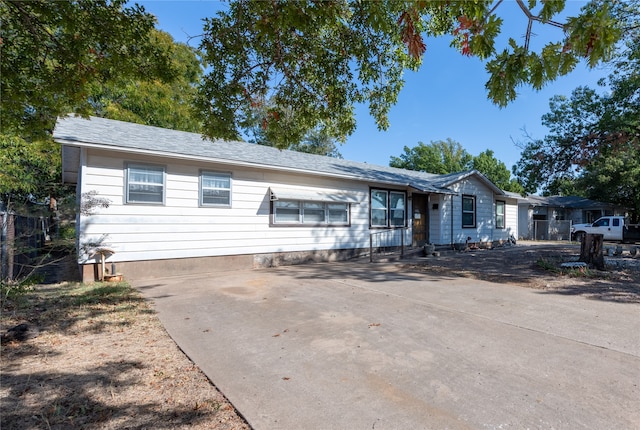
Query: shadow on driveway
column 361, row 346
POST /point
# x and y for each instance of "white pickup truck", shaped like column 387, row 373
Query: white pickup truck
column 614, row 228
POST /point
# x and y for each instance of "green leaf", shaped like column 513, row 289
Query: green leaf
column 316, row 60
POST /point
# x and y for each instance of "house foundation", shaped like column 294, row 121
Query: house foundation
column 149, row 269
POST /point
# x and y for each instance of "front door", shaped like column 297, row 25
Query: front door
column 420, row 219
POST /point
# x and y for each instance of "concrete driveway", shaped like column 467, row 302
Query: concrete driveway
column 359, row 346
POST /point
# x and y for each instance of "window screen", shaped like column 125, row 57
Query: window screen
column 388, row 208
column 215, row 189
column 500, row 214
column 145, row 184
column 468, row 211
column 312, row 213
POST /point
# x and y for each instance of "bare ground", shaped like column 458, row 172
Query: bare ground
column 99, row 357
column 537, row 265
column 101, row 360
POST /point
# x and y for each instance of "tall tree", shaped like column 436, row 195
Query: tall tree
column 56, row 58
column 155, row 102
column 440, row 157
column 594, row 139
column 615, row 179
column 53, row 52
column 316, row 60
column 564, row 187
column 496, row 171
column 28, row 171
column 315, row 141
column 318, row 142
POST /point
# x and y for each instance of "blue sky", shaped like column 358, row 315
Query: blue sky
column 446, row 98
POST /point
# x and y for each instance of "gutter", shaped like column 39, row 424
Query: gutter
column 452, row 245
column 174, row 155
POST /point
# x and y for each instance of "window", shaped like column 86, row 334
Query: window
column 338, row 213
column 500, row 205
column 616, row 222
column 397, row 209
column 286, row 212
column 145, row 184
column 388, row 208
column 215, row 189
column 313, row 213
column 379, row 208
column 298, row 212
column 468, row 211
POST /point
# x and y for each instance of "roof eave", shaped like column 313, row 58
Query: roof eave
column 180, row 156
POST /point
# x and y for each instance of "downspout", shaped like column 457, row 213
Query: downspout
column 493, row 217
column 79, row 217
column 452, row 245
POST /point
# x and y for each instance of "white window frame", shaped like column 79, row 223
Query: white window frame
column 467, row 212
column 394, row 211
column 202, row 188
column 129, row 182
column 387, row 209
column 503, row 215
column 321, row 213
column 337, row 209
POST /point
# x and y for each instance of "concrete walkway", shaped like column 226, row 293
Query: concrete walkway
column 360, row 346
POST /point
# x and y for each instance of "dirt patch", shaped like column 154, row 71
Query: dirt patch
column 536, row 265
column 101, row 359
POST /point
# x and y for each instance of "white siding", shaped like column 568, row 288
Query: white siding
column 437, row 218
column 483, row 231
column 446, row 223
column 525, row 220
column 180, row 228
column 510, row 221
column 442, row 221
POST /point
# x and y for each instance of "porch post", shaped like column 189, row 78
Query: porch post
column 370, row 248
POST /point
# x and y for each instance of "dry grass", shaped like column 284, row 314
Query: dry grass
column 537, row 266
column 101, row 360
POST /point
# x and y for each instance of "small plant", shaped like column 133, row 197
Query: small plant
column 106, row 293
column 580, row 272
column 548, row 266
column 15, row 290
column 573, row 272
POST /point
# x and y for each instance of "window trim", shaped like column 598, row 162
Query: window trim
column 473, row 211
column 388, row 210
column 301, row 223
column 504, row 214
column 128, row 182
column 201, row 202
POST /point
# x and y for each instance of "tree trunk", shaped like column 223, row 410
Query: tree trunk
column 7, row 246
column 591, row 250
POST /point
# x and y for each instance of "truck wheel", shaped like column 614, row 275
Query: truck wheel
column 579, row 236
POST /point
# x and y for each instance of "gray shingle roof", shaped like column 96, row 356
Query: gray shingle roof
column 571, row 202
column 129, row 137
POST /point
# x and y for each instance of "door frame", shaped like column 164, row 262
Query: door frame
column 420, row 205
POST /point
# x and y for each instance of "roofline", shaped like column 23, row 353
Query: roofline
column 544, row 201
column 482, row 177
column 83, row 144
column 445, row 192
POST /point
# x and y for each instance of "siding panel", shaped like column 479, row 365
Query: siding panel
column 181, row 229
